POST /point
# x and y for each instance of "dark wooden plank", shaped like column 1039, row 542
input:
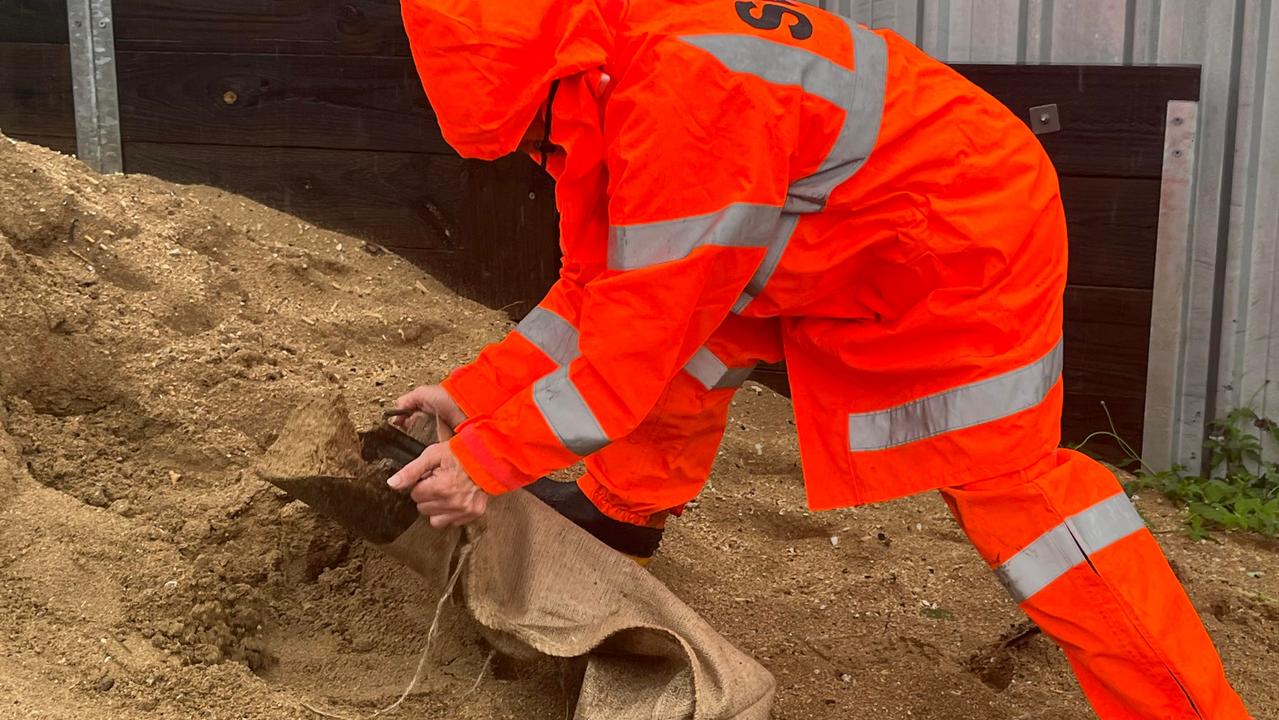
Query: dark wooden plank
column 33, row 21
column 1112, row 234
column 773, row 376
column 393, row 198
column 1107, row 336
column 1113, row 225
column 64, row 145
column 1112, row 117
column 358, row 103
column 1084, row 414
column 35, row 90
column 510, row 242
column 357, row 27
column 1107, row 332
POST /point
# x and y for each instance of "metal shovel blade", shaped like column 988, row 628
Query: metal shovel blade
column 364, row 505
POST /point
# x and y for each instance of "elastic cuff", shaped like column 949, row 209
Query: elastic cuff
column 491, row 473
column 608, row 503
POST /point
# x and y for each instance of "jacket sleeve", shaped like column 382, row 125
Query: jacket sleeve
column 545, row 339
column 698, row 175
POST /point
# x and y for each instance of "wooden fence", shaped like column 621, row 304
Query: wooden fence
column 315, row 108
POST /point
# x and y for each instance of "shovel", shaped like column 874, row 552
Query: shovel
column 364, row 504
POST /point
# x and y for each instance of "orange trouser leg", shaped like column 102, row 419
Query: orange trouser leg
column 1068, row 545
column 665, row 461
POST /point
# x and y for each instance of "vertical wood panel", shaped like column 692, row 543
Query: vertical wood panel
column 359, row 103
column 1162, row 430
column 1250, row 346
column 1170, row 31
column 984, row 31
column 903, row 16
column 1264, row 350
column 1145, row 30
column 1217, row 118
column 64, row 145
column 1238, row 260
column 511, row 253
column 936, row 27
column 1039, row 30
column 1089, row 31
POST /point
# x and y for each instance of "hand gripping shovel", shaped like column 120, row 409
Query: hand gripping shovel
column 534, row 583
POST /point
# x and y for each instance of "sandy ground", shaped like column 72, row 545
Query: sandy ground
column 152, row 339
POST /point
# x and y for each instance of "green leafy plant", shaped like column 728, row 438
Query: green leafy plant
column 1241, row 489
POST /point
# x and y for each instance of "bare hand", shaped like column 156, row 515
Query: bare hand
column 441, row 488
column 432, row 399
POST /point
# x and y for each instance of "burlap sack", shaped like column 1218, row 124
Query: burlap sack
column 536, row 583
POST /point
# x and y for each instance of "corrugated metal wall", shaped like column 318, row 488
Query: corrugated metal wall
column 1227, row 329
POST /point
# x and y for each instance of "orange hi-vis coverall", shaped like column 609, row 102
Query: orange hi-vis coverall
column 744, row 181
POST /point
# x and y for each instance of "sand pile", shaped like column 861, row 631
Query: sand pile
column 153, row 339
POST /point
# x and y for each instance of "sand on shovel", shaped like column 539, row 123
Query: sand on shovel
column 320, row 459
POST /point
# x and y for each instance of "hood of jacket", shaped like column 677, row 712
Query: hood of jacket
column 487, row 65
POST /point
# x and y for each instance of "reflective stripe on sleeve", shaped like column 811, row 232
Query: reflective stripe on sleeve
column 551, row 333
column 567, row 413
column 631, row 247
column 713, row 373
column 956, row 409
column 1068, row 545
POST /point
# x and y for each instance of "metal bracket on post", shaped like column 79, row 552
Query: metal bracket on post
column 1044, row 119
column 97, row 104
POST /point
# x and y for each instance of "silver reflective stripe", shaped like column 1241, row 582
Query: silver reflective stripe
column 1104, row 523
column 864, row 112
column 713, row 374
column 737, row 225
column 1041, row 562
column 1068, row 545
column 859, row 93
column 551, row 333
column 568, row 414
column 956, row 409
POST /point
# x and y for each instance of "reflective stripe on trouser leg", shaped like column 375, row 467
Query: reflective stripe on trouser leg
column 567, row 413
column 713, row 373
column 551, row 333
column 1077, row 556
column 1068, row 545
column 962, row 407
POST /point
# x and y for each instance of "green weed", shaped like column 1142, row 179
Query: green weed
column 1241, row 489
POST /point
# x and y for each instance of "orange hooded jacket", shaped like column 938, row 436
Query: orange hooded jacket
column 768, row 160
